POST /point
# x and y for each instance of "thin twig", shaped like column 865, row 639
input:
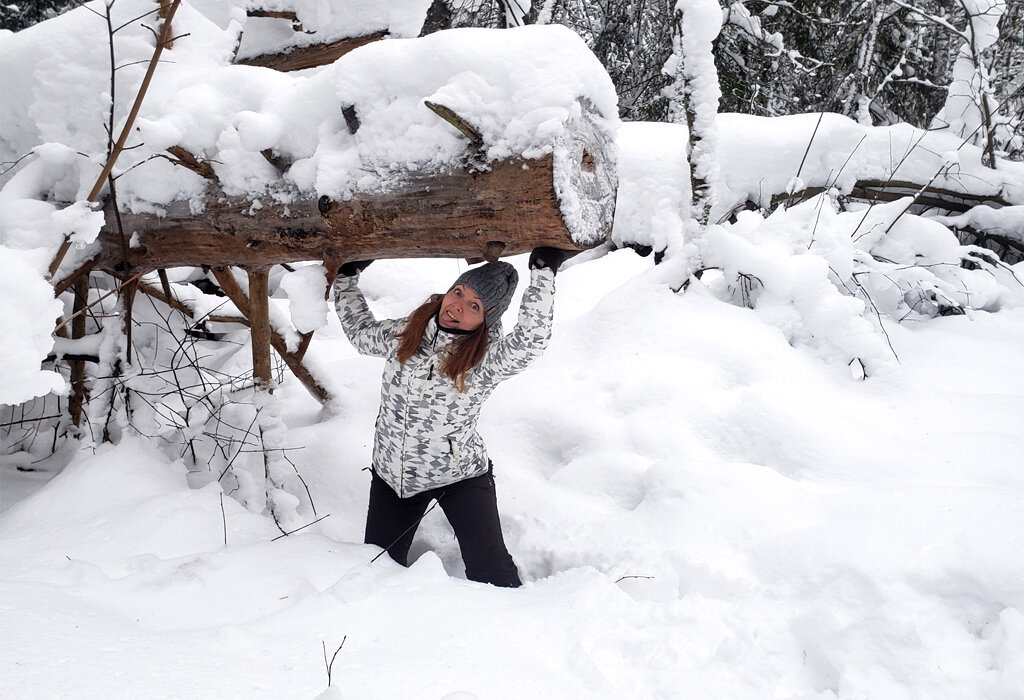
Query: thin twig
column 224, row 518
column 810, row 143
column 331, row 663
column 30, row 420
column 115, row 290
column 292, row 532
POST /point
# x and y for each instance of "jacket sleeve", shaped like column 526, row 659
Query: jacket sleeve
column 526, row 342
column 368, row 335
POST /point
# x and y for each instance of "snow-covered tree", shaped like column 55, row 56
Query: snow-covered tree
column 693, row 100
column 970, row 107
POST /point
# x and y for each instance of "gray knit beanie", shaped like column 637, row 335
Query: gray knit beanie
column 494, row 283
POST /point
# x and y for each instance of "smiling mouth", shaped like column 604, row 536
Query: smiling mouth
column 449, row 315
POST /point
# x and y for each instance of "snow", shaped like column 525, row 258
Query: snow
column 760, row 155
column 498, row 81
column 787, row 531
column 969, row 87
column 323, row 22
column 306, row 289
column 654, row 184
column 794, row 479
column 27, row 338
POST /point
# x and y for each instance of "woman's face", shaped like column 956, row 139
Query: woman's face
column 461, row 309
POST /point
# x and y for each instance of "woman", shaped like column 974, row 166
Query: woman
column 442, row 362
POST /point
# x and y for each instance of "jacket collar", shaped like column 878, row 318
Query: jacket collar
column 436, row 337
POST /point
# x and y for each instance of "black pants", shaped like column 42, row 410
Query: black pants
column 471, row 508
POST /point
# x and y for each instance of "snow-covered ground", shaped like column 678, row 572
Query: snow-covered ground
column 698, row 508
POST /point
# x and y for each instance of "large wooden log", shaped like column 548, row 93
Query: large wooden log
column 511, row 208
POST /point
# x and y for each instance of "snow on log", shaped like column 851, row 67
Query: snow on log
column 293, row 34
column 784, row 156
column 467, row 143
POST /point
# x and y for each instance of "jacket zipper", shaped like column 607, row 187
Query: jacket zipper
column 455, row 454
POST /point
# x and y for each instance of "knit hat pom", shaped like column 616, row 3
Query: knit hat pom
column 494, row 283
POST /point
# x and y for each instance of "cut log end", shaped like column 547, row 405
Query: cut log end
column 586, row 180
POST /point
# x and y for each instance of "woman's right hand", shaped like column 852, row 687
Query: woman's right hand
column 551, row 258
column 353, row 268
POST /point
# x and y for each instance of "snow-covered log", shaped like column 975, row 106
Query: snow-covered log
column 233, row 165
column 464, row 143
column 565, row 199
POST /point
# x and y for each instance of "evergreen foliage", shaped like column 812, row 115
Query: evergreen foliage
column 16, row 16
column 878, row 62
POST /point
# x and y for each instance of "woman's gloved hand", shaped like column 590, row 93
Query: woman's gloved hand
column 353, row 268
column 551, row 258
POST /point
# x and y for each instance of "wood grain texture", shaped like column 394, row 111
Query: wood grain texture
column 454, row 215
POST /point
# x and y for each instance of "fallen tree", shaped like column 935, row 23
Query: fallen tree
column 470, row 213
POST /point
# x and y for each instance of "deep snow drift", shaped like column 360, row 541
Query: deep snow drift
column 700, row 510
column 795, row 479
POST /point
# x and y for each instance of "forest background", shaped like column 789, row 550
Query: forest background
column 878, row 62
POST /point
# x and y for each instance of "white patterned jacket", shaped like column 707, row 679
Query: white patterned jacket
column 426, row 434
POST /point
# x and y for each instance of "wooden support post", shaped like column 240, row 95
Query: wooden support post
column 238, row 298
column 78, row 398
column 129, row 290
column 259, row 320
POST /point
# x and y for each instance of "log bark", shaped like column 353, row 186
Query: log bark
column 313, row 56
column 565, row 199
column 259, row 324
column 455, row 215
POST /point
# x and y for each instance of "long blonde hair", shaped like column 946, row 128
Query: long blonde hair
column 465, row 353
